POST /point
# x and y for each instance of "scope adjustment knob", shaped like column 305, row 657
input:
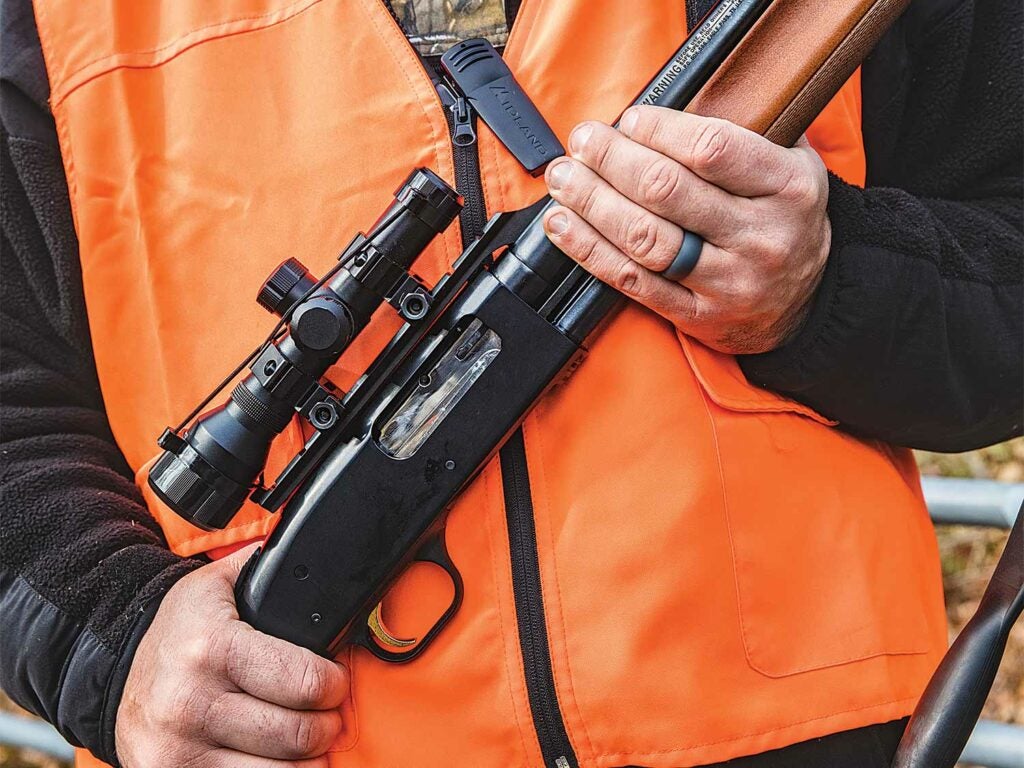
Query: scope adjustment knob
column 287, row 284
column 321, row 325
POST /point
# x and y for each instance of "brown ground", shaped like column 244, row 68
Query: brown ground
column 968, row 556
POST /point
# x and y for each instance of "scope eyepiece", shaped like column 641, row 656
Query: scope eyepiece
column 194, row 488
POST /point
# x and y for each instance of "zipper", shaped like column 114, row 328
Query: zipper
column 461, row 118
column 554, row 742
column 526, row 587
column 552, row 736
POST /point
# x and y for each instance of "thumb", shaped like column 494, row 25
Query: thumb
column 229, row 567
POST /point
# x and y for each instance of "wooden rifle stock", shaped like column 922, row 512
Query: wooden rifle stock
column 792, row 62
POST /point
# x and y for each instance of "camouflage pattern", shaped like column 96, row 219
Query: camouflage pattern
column 433, row 26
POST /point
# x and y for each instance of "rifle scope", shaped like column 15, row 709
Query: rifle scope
column 206, row 474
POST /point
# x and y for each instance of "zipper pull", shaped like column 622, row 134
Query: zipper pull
column 463, row 134
column 474, row 70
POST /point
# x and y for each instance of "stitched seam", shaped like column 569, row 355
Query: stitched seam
column 83, row 624
column 783, row 405
column 558, row 587
column 110, row 680
column 286, row 13
column 63, row 134
column 739, row 590
column 728, row 520
column 67, row 150
column 83, row 629
column 761, row 733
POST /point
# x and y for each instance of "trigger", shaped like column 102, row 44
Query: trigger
column 376, row 624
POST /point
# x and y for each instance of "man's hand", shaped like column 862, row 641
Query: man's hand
column 205, row 689
column 626, row 196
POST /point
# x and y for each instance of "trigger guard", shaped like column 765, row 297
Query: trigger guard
column 433, row 551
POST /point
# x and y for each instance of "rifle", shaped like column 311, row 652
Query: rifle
column 367, row 494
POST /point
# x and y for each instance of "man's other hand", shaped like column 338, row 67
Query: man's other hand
column 206, row 689
column 626, row 196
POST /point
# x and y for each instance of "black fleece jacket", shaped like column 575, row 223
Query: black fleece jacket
column 915, row 338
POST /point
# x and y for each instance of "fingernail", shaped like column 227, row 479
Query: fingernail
column 578, row 138
column 628, row 121
column 559, row 174
column 558, row 223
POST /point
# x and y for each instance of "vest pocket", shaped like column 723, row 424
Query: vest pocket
column 825, row 529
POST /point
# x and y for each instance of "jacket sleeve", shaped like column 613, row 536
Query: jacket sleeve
column 82, row 563
column 915, row 336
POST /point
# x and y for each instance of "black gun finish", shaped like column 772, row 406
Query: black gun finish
column 363, row 516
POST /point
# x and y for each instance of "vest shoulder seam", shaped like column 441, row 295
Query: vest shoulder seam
column 154, row 57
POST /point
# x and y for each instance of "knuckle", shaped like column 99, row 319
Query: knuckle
column 627, row 277
column 586, row 249
column 600, row 149
column 801, row 187
column 747, row 297
column 710, row 146
column 807, row 182
column 315, row 685
column 217, row 710
column 329, row 728
column 641, row 237
column 196, row 651
column 313, row 735
column 777, row 248
column 580, row 246
column 234, row 657
column 303, row 738
column 659, row 182
column 589, row 199
column 187, row 704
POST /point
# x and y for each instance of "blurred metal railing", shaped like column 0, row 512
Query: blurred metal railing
column 953, row 501
column 25, row 733
column 950, row 501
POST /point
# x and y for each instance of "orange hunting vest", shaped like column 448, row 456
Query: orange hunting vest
column 723, row 570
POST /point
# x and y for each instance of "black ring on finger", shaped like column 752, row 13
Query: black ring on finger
column 684, row 262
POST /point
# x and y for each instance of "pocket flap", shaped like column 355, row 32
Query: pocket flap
column 832, row 549
column 723, row 381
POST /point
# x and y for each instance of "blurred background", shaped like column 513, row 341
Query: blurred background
column 968, row 557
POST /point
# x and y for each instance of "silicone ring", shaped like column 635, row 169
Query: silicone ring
column 686, row 259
